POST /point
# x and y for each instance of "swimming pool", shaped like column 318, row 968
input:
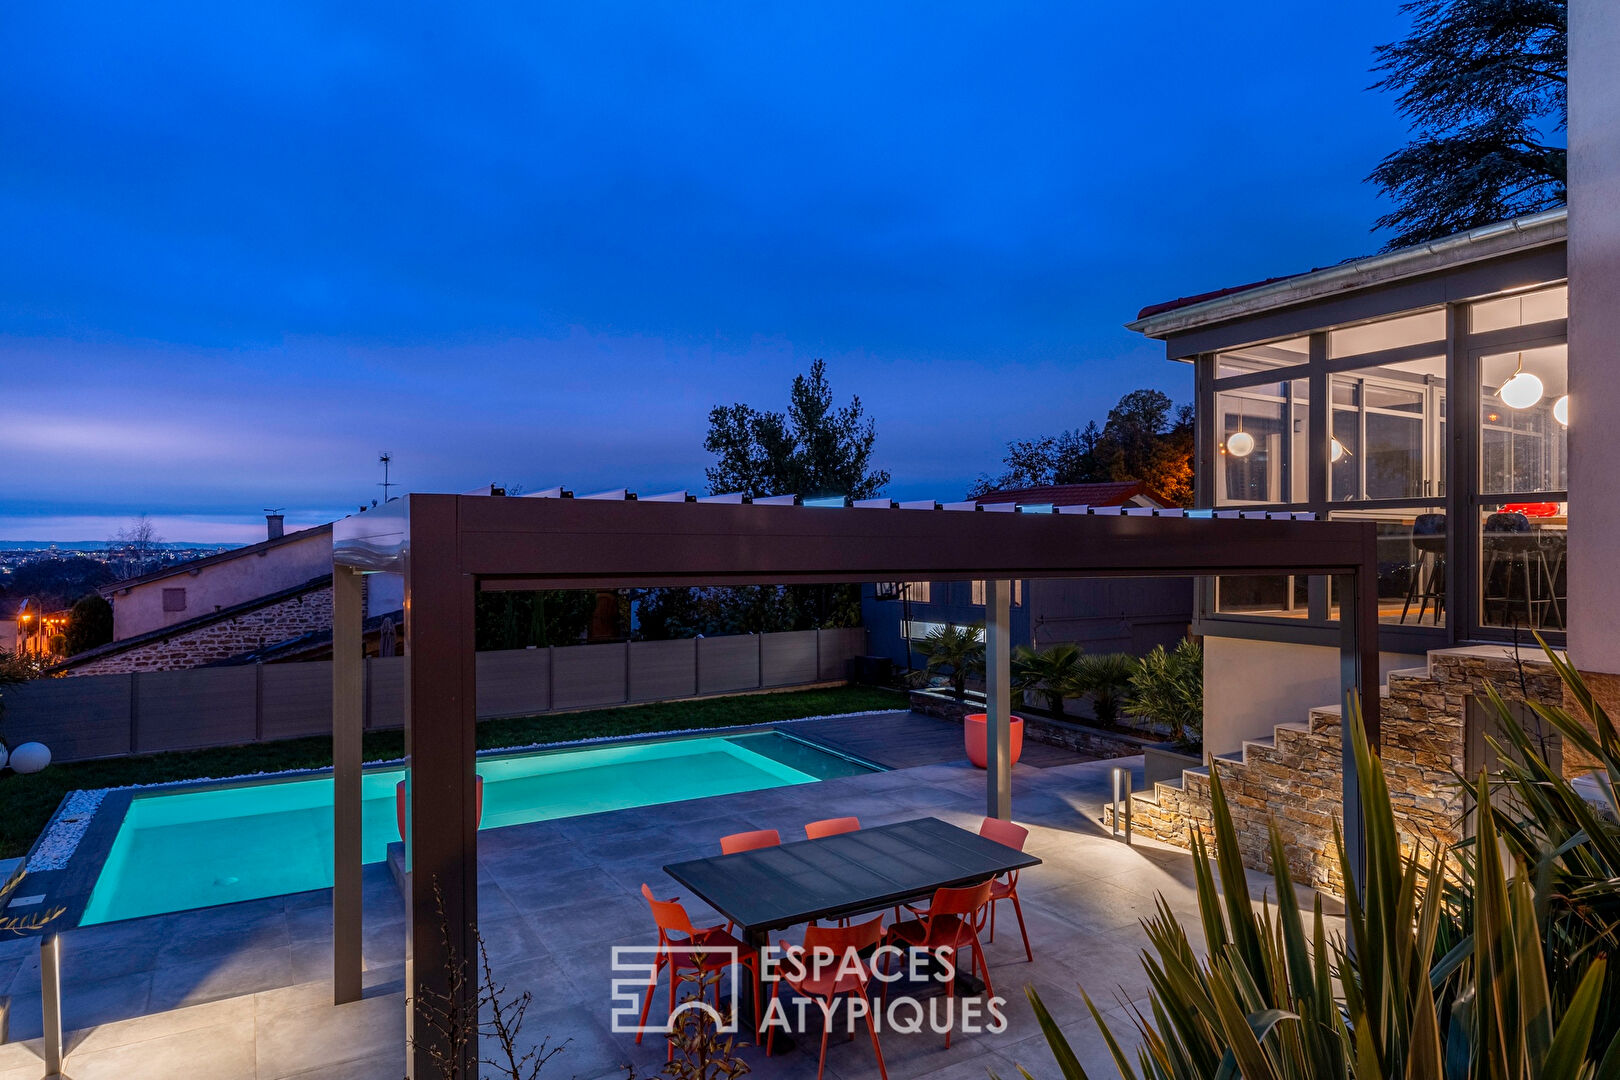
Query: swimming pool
column 182, row 849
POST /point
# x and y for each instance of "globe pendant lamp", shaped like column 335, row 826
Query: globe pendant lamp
column 1240, row 443
column 1561, row 411
column 1522, row 390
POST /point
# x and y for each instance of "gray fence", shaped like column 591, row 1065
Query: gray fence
column 99, row 716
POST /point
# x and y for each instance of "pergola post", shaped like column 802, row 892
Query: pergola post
column 998, row 700
column 348, row 722
column 1359, row 683
column 441, row 747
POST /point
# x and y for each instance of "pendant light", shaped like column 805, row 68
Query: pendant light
column 1337, row 452
column 1561, row 411
column 1522, row 389
column 1240, row 443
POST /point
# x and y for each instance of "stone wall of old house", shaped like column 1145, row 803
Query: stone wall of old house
column 1296, row 777
column 301, row 614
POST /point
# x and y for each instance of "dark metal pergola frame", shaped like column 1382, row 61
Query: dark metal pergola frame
column 450, row 547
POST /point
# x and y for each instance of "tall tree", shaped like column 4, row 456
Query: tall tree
column 814, row 449
column 1483, row 84
column 136, row 549
column 1145, row 437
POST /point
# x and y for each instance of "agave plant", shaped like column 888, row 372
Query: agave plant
column 1052, row 672
column 1169, row 687
column 960, row 649
column 1106, row 679
column 1431, row 981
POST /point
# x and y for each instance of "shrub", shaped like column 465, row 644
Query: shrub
column 1106, row 679
column 1052, row 672
column 959, row 648
column 1168, row 687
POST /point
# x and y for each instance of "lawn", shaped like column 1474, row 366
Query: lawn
column 27, row 802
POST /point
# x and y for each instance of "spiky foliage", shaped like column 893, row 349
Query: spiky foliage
column 1052, row 672
column 1428, row 981
column 1168, row 687
column 956, row 649
column 1106, row 679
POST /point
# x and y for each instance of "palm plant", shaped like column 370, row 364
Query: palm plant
column 1106, row 678
column 1449, row 969
column 957, row 648
column 1168, row 687
column 1052, row 672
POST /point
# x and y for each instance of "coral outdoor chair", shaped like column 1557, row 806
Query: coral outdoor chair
column 831, row 827
column 684, row 947
column 1013, row 836
column 953, row 920
column 749, row 841
column 834, row 978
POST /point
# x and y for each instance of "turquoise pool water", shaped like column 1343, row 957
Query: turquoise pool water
column 179, row 850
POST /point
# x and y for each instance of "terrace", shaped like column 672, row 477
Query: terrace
column 314, row 984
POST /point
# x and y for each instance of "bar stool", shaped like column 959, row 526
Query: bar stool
column 1514, row 554
column 1429, row 544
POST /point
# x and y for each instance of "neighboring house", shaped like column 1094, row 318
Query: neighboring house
column 20, row 619
column 215, row 609
column 1099, row 614
column 1389, row 389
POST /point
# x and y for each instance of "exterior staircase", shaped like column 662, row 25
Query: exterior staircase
column 1295, row 776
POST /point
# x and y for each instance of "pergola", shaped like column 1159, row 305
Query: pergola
column 450, row 547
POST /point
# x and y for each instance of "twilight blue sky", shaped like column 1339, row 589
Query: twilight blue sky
column 247, row 246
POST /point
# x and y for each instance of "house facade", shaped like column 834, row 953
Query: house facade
column 1101, row 615
column 1426, row 390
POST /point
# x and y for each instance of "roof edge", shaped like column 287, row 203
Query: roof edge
column 1487, row 241
column 212, row 560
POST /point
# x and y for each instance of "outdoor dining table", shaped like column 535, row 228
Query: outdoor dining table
column 865, row 870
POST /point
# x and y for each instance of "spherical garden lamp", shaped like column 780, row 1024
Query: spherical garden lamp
column 30, row 757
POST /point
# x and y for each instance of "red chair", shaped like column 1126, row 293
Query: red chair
column 827, row 977
column 952, row 921
column 749, row 841
column 684, row 947
column 1013, row 836
column 831, row 827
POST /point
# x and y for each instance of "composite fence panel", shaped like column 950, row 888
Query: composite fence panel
column 728, row 663
column 185, row 710
column 385, row 693
column 514, row 682
column 663, row 669
column 295, row 700
column 837, row 648
column 587, row 675
column 76, row 718
column 788, row 659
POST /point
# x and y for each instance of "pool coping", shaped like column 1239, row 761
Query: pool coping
column 70, row 865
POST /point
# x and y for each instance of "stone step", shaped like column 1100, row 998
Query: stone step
column 1267, row 743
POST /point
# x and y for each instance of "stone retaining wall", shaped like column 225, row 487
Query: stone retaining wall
column 1297, row 777
column 303, row 614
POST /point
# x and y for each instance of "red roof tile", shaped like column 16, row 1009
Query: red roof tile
column 1112, row 493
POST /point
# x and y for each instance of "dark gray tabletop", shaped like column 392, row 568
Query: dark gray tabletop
column 864, row 870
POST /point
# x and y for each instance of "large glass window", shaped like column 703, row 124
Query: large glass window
column 1524, row 421
column 1411, row 565
column 1523, row 555
column 1263, row 449
column 1426, row 327
column 1522, row 309
column 1263, row 357
column 1388, row 438
column 1274, row 596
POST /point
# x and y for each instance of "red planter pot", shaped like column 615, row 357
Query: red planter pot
column 973, row 736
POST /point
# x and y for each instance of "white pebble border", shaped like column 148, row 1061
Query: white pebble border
column 61, row 837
